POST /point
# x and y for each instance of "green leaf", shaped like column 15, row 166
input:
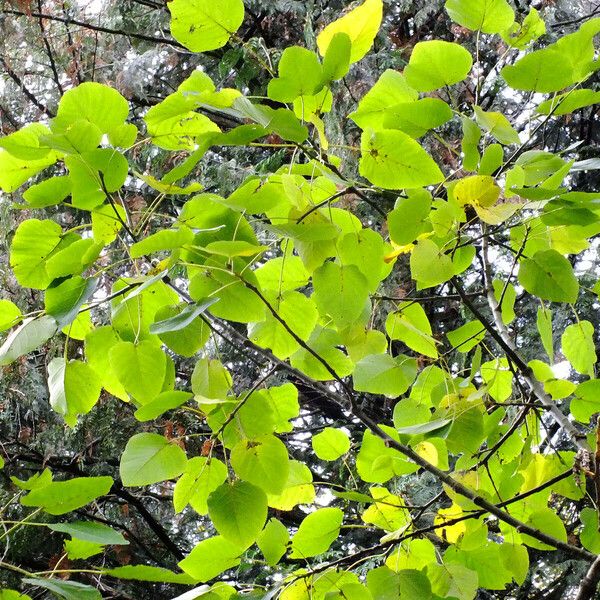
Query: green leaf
column 317, row 532
column 64, row 301
column 69, row 590
column 408, row 219
column 210, row 558
column 298, row 488
column 587, row 400
column 161, row 404
column 182, row 319
column 467, row 336
column 263, row 462
column 29, row 336
column 340, row 292
column 590, row 534
column 336, row 61
column 497, row 125
column 48, row 192
column 389, row 158
column 579, row 348
column 300, row 315
column 33, row 243
column 185, row 332
column 506, row 296
column 436, row 64
column 98, row 104
column 361, row 25
column 202, row 25
column 74, row 388
column 498, row 378
column 521, row 35
column 549, row 275
column 238, row 512
column 418, row 117
column 548, row 522
column 165, row 239
column 201, row 477
column 391, row 89
column 543, row 71
column 288, row 86
column 61, row 497
column 487, row 16
column 411, row 325
column 273, row 541
column 89, row 531
column 148, row 573
column 13, row 595
column 10, row 315
column 149, row 458
column 330, row 443
column 141, row 368
column 211, row 380
column 428, row 265
column 386, row 375
column 544, row 327
column 564, row 104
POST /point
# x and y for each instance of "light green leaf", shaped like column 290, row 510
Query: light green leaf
column 141, row 368
column 64, row 301
column 74, row 388
column 161, row 404
column 61, row 497
column 331, row 443
column 298, row 488
column 487, row 16
column 210, row 380
column 467, row 336
column 428, row 265
column 389, row 158
column 497, row 125
column 149, row 458
column 436, row 64
column 564, row 104
column 390, row 89
column 263, row 462
column 549, row 275
column 579, row 348
column 288, row 86
column 386, row 375
column 317, row 532
column 165, row 239
column 273, row 541
column 506, row 301
column 544, row 327
column 411, row 325
column 29, row 336
column 498, row 378
column 238, row 512
column 182, row 328
column 210, row 558
column 148, row 573
column 201, row 477
column 590, row 535
column 543, row 71
column 340, row 292
column 587, row 400
column 361, row 25
column 418, row 117
column 89, row 531
column 69, row 590
column 521, row 35
column 33, row 243
column 202, row 25
column 10, row 315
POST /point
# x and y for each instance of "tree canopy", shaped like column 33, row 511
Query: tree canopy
column 299, row 300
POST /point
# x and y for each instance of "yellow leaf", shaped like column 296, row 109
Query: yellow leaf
column 361, row 25
column 479, row 190
column 453, row 533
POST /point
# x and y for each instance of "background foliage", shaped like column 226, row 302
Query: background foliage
column 411, row 437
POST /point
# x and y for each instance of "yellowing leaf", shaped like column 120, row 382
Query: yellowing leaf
column 361, row 25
